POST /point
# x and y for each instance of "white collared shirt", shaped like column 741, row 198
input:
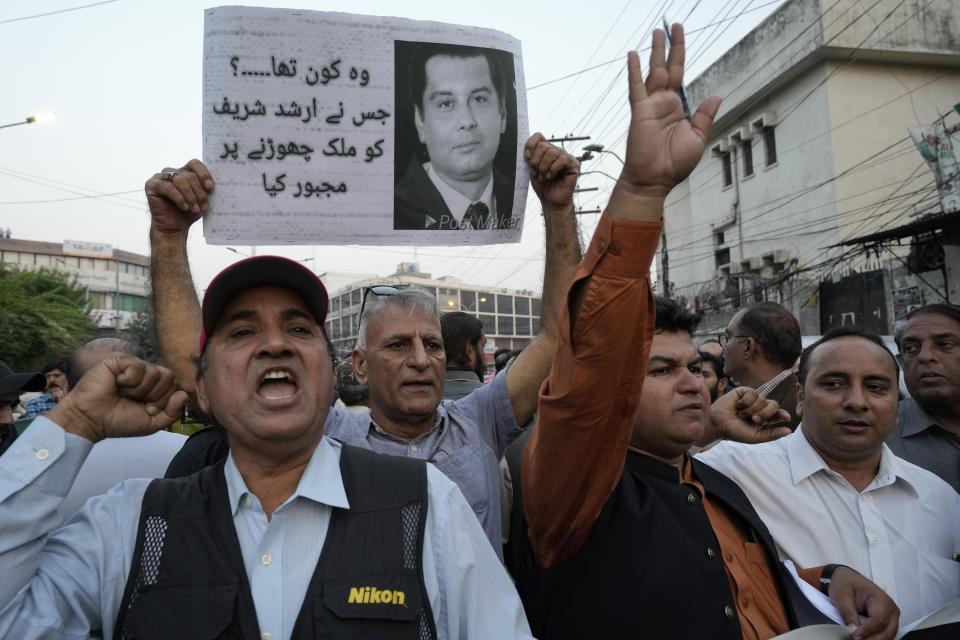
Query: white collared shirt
column 69, row 582
column 901, row 531
column 458, row 203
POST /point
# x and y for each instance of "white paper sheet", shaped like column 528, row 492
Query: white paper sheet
column 301, row 128
column 815, row 596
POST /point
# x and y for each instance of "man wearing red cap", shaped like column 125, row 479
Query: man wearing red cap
column 400, row 351
column 292, row 535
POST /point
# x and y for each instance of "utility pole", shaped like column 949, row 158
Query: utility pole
column 665, row 261
column 568, row 138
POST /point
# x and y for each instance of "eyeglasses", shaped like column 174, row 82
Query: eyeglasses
column 377, row 290
column 723, row 339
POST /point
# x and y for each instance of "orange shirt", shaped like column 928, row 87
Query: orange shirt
column 575, row 455
column 752, row 583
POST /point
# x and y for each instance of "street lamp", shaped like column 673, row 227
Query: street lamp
column 39, row 118
column 590, row 149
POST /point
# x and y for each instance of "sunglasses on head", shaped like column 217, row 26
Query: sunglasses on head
column 381, row 290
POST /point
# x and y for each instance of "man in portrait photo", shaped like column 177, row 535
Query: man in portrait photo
column 461, row 102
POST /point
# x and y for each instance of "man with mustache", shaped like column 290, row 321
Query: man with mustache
column 832, row 492
column 400, row 352
column 928, row 431
column 293, row 535
column 629, row 536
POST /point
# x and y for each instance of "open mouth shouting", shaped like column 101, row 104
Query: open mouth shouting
column 278, row 385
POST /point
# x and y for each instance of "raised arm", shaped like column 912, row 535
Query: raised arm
column 177, row 198
column 121, row 396
column 553, row 176
column 588, row 405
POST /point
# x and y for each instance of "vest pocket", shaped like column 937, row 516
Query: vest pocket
column 377, row 597
column 173, row 613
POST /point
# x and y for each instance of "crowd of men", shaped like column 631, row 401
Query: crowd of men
column 613, row 479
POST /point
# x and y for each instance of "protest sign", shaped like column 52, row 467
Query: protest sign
column 330, row 128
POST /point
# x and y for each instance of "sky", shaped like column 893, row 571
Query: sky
column 124, row 78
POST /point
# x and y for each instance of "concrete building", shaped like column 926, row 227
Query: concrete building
column 810, row 148
column 117, row 281
column 511, row 317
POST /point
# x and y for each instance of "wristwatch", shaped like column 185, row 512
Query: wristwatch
column 826, row 576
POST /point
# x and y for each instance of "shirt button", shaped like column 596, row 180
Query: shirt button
column 43, row 454
column 265, row 559
column 266, row 636
column 875, row 540
column 728, row 556
column 415, row 448
column 728, row 612
column 691, row 499
column 711, row 553
column 615, row 249
column 247, row 502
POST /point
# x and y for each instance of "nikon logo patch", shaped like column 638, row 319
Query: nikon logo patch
column 372, row 595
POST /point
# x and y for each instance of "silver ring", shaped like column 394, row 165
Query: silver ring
column 168, row 176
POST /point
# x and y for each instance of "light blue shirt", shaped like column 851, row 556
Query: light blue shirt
column 69, row 583
column 468, row 438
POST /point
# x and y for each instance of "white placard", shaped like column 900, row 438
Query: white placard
column 312, row 136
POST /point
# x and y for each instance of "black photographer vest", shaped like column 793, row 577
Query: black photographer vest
column 187, row 577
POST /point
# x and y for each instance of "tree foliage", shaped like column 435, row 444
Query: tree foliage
column 44, row 314
column 141, row 332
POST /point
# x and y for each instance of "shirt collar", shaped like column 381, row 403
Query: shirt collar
column 805, row 461
column 456, row 202
column 321, row 481
column 438, row 425
column 914, row 419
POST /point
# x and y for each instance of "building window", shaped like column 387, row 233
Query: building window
column 448, row 300
column 504, row 304
column 487, row 303
column 505, row 325
column 535, row 310
column 769, row 146
column 468, row 300
column 355, row 296
column 722, row 257
column 746, row 149
column 489, row 324
column 127, row 302
column 727, row 169
column 523, row 306
column 718, row 238
column 523, row 326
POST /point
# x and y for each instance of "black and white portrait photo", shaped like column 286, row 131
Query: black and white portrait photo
column 456, row 132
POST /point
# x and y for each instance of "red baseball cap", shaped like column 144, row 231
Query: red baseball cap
column 255, row 272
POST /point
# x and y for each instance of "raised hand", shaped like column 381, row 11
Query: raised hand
column 553, row 171
column 120, row 397
column 663, row 146
column 178, row 197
